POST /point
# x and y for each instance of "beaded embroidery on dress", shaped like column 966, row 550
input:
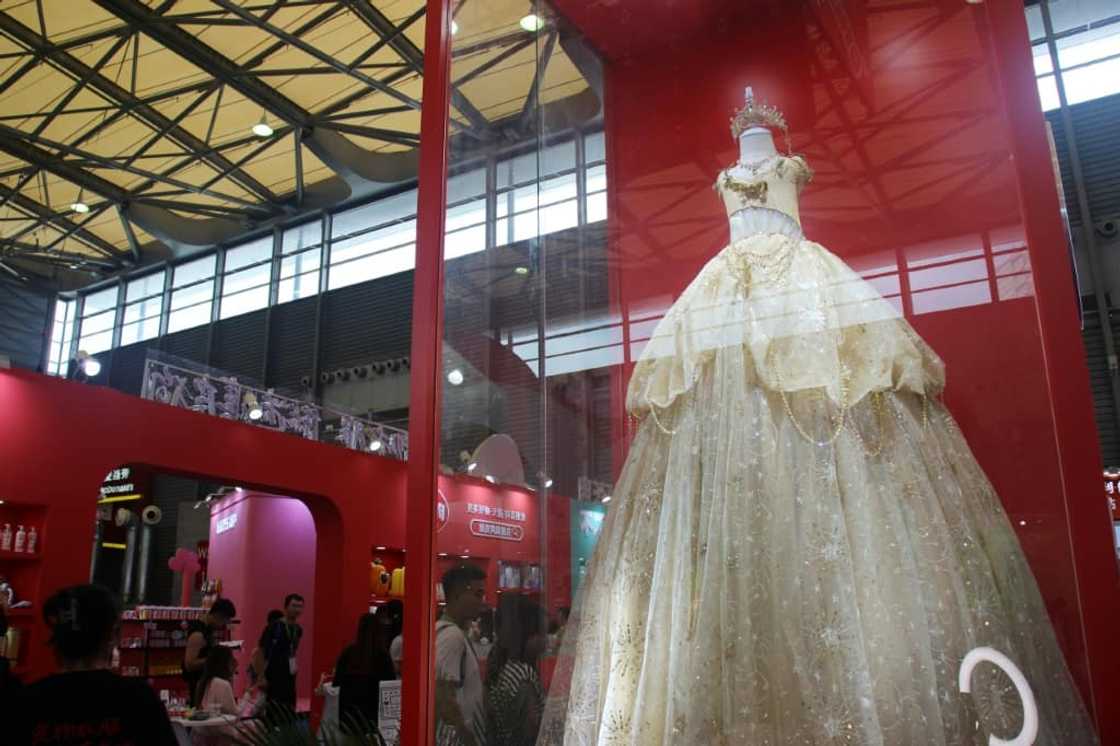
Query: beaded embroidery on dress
column 801, row 547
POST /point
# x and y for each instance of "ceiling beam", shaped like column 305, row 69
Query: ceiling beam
column 413, row 56
column 146, row 113
column 207, row 59
column 60, row 222
column 313, row 51
column 21, row 147
column 130, row 234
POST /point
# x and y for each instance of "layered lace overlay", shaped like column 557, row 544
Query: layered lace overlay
column 801, row 546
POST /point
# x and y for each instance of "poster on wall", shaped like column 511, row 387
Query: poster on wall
column 587, row 523
column 389, row 711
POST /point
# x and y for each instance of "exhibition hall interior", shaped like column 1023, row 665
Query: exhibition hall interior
column 566, row 373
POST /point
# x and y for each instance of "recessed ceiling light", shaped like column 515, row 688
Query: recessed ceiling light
column 262, row 128
column 375, row 445
column 455, row 377
column 521, row 271
column 532, row 22
column 79, row 207
column 606, row 500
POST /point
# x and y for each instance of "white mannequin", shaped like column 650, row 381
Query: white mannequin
column 756, row 145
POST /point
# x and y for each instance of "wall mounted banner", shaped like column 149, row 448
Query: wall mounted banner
column 495, row 530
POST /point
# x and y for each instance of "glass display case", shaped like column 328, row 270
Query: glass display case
column 758, row 400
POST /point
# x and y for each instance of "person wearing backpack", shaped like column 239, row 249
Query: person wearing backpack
column 460, row 696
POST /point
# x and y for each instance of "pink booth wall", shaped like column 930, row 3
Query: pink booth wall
column 265, row 550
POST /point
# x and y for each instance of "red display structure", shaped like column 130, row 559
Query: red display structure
column 933, row 181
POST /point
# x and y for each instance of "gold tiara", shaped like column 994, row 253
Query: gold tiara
column 756, row 114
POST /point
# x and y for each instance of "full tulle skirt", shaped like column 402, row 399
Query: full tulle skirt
column 776, row 569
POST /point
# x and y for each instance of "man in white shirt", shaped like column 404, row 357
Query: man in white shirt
column 460, row 712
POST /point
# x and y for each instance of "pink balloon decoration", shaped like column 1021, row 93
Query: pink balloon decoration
column 184, row 561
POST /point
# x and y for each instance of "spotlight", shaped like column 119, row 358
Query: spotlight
column 521, row 271
column 262, row 128
column 464, row 556
column 378, row 369
column 472, row 466
column 253, row 406
column 343, row 375
column 454, row 28
column 606, row 499
column 531, row 22
column 375, row 445
column 360, row 371
column 88, row 364
column 491, row 479
column 305, row 381
column 327, row 376
column 79, row 207
column 547, row 482
column 380, row 549
column 455, row 377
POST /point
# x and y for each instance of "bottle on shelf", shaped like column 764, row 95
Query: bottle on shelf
column 32, row 540
column 21, row 539
column 6, row 538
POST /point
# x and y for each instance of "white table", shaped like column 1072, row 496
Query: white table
column 183, row 726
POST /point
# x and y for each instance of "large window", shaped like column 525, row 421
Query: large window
column 301, row 258
column 595, row 176
column 375, row 240
column 192, row 294
column 62, row 334
column 528, row 206
column 143, row 308
column 99, row 316
column 247, row 278
column 466, row 214
column 1087, row 35
column 489, row 205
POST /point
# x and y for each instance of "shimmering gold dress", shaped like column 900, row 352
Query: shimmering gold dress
column 801, row 547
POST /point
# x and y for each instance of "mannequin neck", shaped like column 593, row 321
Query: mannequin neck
column 756, row 144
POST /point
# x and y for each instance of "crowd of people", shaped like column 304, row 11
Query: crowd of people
column 487, row 694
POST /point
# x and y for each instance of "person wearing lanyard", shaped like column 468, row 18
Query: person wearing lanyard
column 280, row 653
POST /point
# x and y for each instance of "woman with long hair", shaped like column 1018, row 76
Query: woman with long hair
column 85, row 701
column 361, row 668
column 215, row 695
column 515, row 696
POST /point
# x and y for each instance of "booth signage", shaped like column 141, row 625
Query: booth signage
column 117, row 482
column 225, row 523
column 443, row 511
column 500, row 513
column 495, row 530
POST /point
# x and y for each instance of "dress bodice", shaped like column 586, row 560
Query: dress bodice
column 771, row 185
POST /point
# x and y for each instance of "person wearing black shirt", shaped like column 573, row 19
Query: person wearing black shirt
column 280, row 650
column 200, row 638
column 86, row 703
column 361, row 668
